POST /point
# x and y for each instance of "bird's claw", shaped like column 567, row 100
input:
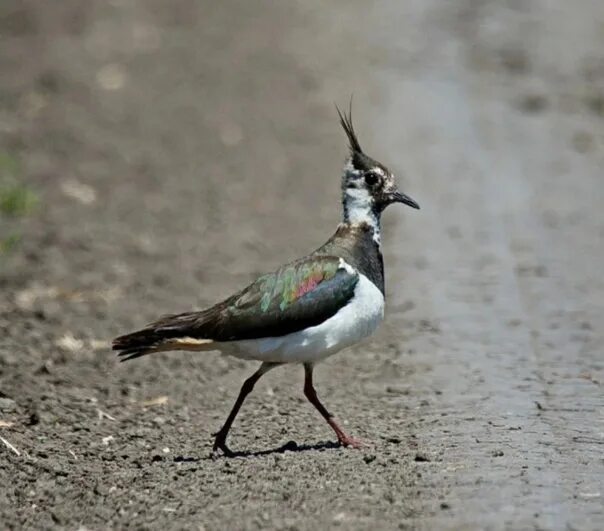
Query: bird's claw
column 220, row 444
column 347, row 441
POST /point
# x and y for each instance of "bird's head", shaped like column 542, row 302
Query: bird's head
column 368, row 186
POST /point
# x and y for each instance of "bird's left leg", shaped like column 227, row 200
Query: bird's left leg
column 246, row 389
column 311, row 394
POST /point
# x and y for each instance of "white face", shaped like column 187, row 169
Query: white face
column 376, row 181
column 362, row 194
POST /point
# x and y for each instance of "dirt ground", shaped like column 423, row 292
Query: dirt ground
column 178, row 149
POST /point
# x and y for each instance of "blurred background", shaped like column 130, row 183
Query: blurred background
column 155, row 156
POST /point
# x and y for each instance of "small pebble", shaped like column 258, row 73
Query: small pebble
column 7, row 405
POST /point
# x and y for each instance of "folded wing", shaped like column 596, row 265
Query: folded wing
column 296, row 296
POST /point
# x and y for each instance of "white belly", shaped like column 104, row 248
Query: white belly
column 355, row 321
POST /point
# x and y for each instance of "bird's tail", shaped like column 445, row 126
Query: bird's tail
column 173, row 332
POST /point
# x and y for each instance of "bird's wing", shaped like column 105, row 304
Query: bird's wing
column 296, row 296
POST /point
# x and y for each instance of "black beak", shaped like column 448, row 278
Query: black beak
column 398, row 197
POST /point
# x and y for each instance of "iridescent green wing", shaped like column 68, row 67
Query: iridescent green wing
column 297, row 296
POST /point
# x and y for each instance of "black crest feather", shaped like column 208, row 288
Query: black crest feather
column 359, row 160
column 346, row 122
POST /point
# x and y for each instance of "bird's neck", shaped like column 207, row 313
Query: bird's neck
column 355, row 243
column 358, row 208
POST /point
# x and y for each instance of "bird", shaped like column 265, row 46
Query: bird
column 304, row 311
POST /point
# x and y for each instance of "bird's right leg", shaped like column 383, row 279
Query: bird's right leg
column 311, row 394
column 246, row 389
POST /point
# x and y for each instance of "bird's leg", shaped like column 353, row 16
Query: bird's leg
column 311, row 394
column 246, row 389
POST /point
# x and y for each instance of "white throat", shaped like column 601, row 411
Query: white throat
column 358, row 208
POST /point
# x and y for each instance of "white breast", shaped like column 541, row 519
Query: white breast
column 355, row 321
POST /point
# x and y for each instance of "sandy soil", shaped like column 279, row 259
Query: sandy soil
column 180, row 148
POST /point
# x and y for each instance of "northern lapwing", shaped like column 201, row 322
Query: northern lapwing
column 307, row 309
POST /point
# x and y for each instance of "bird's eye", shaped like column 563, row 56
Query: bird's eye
column 371, row 178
